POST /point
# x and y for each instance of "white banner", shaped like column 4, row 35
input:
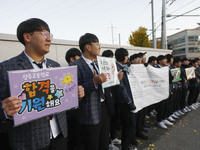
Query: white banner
column 149, row 85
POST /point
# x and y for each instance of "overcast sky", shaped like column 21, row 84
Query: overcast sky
column 69, row 19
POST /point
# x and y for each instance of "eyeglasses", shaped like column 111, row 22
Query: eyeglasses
column 95, row 44
column 46, row 34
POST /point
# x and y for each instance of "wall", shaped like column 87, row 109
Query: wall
column 10, row 47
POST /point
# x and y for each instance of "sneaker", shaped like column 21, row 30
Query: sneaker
column 195, row 105
column 184, row 110
column 174, row 116
column 166, row 122
column 192, row 107
column 177, row 114
column 116, row 141
column 188, row 109
column 180, row 112
column 113, row 147
column 171, row 119
column 162, row 125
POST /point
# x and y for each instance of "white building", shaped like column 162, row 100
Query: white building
column 10, row 47
column 185, row 43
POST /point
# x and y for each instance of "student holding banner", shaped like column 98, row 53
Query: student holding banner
column 125, row 102
column 163, row 106
column 178, row 88
column 185, row 87
column 194, row 87
column 46, row 133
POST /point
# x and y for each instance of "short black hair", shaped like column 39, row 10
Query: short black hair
column 177, row 60
column 72, row 52
column 120, row 54
column 107, row 53
column 29, row 26
column 193, row 61
column 184, row 59
column 160, row 57
column 169, row 57
column 152, row 58
column 141, row 54
column 134, row 56
column 87, row 38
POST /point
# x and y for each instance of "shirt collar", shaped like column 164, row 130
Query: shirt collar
column 88, row 61
column 31, row 60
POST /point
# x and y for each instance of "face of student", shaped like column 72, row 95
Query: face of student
column 195, row 64
column 143, row 59
column 163, row 62
column 154, row 62
column 125, row 60
column 186, row 62
column 171, row 61
column 134, row 61
column 178, row 65
column 94, row 49
column 74, row 59
column 39, row 41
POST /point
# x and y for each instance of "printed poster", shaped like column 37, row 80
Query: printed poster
column 176, row 73
column 149, row 85
column 190, row 73
column 43, row 92
column 109, row 68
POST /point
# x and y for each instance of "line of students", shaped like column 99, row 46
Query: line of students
column 93, row 126
column 133, row 125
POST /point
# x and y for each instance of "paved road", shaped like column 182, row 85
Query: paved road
column 184, row 135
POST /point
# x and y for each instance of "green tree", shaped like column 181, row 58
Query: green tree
column 140, row 38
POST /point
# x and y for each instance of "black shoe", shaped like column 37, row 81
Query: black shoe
column 142, row 136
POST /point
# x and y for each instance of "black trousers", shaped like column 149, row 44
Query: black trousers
column 128, row 126
column 74, row 135
column 140, row 119
column 177, row 99
column 193, row 95
column 162, row 110
column 96, row 137
column 183, row 98
column 58, row 143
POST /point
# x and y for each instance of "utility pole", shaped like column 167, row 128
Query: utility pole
column 163, row 26
column 153, row 29
column 119, row 39
column 112, row 32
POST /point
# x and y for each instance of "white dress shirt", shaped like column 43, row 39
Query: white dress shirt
column 55, row 131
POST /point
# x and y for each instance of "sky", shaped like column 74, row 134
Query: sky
column 69, row 19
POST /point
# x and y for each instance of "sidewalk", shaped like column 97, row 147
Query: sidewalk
column 183, row 135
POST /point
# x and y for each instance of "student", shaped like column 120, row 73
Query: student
column 163, row 106
column 152, row 61
column 93, row 113
column 177, row 100
column 194, row 87
column 125, row 101
column 140, row 116
column 43, row 133
column 72, row 55
column 73, row 140
column 185, row 83
column 112, row 109
column 108, row 53
column 142, row 57
column 135, row 59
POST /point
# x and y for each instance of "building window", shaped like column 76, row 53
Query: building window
column 194, row 49
column 179, row 51
column 193, row 38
